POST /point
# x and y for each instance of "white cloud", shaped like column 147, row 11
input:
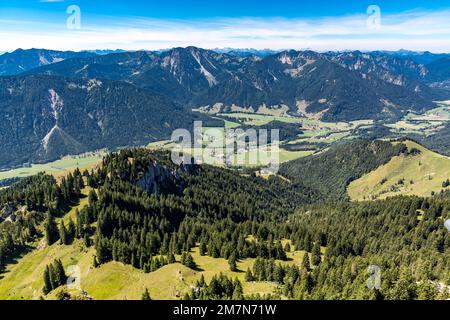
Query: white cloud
column 424, row 30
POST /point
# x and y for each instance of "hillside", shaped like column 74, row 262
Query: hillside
column 117, row 281
column 46, row 117
column 419, row 173
column 439, row 73
column 139, row 221
column 331, row 171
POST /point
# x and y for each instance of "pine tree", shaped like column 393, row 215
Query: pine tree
column 202, row 248
column 63, row 233
column 165, row 245
column 157, row 263
column 280, row 253
column 79, row 225
column 103, row 253
column 146, row 295
column 186, row 297
column 305, row 262
column 249, row 276
column 47, row 282
column 201, row 283
column 238, row 293
column 87, row 240
column 71, row 229
column 278, row 274
column 183, row 258
column 315, row 258
column 51, row 230
column 171, row 259
column 53, row 276
column 232, row 262
column 189, row 262
column 60, row 275
column 92, row 197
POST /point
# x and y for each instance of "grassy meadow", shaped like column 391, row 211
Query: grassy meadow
column 418, row 175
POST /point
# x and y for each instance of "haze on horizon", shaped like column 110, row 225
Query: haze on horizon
column 150, row 25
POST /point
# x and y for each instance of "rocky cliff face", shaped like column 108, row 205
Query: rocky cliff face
column 160, row 179
column 10, row 211
column 155, row 177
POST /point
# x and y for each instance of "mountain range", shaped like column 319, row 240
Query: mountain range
column 21, row 60
column 297, row 82
column 55, row 103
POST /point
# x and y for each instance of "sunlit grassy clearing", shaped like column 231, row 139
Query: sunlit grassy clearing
column 24, row 280
column 58, row 167
column 420, row 175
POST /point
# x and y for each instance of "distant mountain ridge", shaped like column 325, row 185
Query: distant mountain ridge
column 20, row 60
column 421, row 57
column 298, row 82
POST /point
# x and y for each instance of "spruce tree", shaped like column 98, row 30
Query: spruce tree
column 232, row 262
column 92, row 197
column 189, row 262
column 305, row 262
column 54, row 281
column 47, row 281
column 79, row 225
column 87, row 240
column 146, row 295
column 249, row 276
column 202, row 248
column 315, row 258
column 71, row 229
column 63, row 233
column 171, row 259
column 51, row 230
column 60, row 275
column 238, row 292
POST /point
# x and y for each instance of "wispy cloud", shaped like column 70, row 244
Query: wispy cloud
column 415, row 30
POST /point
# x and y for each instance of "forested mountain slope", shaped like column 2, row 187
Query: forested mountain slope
column 45, row 117
column 331, row 171
column 148, row 213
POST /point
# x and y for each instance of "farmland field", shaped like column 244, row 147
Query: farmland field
column 56, row 168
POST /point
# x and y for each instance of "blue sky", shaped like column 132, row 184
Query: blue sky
column 319, row 24
column 195, row 9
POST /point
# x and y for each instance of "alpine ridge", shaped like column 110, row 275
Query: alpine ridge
column 299, row 82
